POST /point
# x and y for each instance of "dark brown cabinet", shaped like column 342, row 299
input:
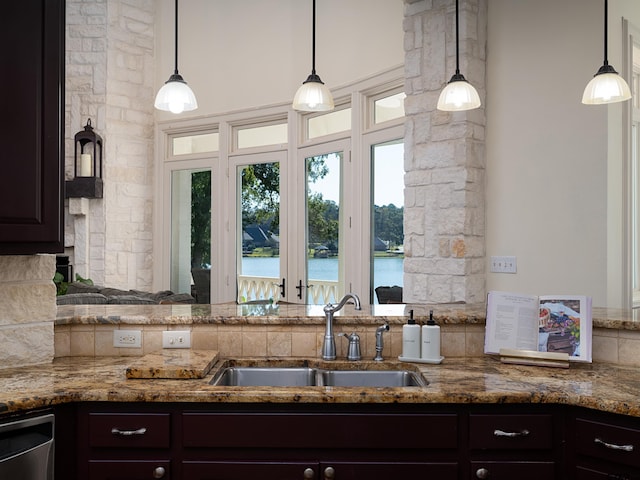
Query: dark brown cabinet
column 129, row 469
column 124, row 445
column 506, row 446
column 32, row 135
column 131, row 441
column 347, row 444
column 606, row 447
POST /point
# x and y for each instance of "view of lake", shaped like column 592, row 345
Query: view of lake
column 387, row 270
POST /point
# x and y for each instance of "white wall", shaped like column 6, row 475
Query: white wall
column 248, row 53
column 547, row 166
column 553, row 164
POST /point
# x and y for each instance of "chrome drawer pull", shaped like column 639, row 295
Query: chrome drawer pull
column 158, row 472
column 502, row 433
column 128, row 433
column 329, row 473
column 613, row 446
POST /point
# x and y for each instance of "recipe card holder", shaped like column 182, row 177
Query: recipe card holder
column 532, row 357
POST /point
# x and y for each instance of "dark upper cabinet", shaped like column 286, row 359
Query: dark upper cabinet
column 32, row 132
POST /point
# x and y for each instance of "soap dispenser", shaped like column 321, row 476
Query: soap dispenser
column 411, row 338
column 431, row 339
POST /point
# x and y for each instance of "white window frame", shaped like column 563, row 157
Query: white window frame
column 632, row 148
column 356, row 174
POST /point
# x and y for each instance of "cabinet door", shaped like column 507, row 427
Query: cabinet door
column 31, row 160
column 224, row 470
column 129, row 469
column 606, row 472
column 507, row 470
column 387, row 471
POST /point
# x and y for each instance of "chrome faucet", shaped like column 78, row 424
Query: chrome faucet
column 329, row 344
column 379, row 342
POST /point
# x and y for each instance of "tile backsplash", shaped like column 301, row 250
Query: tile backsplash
column 305, row 341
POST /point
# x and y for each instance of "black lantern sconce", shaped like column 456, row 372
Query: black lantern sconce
column 87, row 165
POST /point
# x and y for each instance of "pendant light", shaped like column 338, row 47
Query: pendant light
column 606, row 86
column 175, row 95
column 459, row 94
column 313, row 95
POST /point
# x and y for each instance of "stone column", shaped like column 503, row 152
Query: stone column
column 444, row 155
column 109, row 78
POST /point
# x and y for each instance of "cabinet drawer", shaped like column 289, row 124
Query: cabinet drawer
column 131, row 470
column 511, row 431
column 609, row 442
column 503, row 470
column 308, row 430
column 129, row 430
column 606, row 472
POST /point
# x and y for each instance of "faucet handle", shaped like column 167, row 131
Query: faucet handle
column 354, row 346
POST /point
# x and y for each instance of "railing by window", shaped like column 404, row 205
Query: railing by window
column 268, row 288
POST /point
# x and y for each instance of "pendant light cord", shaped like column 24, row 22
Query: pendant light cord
column 606, row 17
column 176, row 40
column 313, row 40
column 457, row 43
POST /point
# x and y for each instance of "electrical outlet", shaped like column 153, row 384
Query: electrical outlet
column 127, row 338
column 176, row 339
column 503, row 264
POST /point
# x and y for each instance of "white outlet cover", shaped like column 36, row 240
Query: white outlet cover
column 176, row 339
column 127, row 338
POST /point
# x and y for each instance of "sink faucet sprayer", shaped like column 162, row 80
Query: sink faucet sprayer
column 379, row 342
column 329, row 344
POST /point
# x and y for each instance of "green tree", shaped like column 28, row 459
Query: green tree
column 323, row 218
column 261, row 191
column 388, row 223
column 200, row 218
column 261, row 194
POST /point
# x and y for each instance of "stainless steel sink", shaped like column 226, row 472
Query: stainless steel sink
column 272, row 376
column 266, row 377
column 371, row 378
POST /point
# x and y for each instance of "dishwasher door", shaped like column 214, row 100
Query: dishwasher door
column 26, row 448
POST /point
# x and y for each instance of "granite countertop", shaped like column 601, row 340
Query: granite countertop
column 289, row 314
column 604, row 387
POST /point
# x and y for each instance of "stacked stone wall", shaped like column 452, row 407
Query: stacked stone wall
column 110, row 64
column 444, row 156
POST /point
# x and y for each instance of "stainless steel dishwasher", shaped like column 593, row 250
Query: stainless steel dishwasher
column 26, row 448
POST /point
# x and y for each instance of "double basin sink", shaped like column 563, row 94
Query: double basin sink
column 309, row 376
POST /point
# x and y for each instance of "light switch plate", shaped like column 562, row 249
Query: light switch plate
column 503, row 264
column 176, row 339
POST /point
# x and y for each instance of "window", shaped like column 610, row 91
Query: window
column 387, row 208
column 299, row 205
column 329, row 123
column 635, row 171
column 259, row 136
column 389, row 107
column 197, row 143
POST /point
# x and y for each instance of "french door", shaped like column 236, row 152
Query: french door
column 322, row 223
column 289, row 225
column 259, row 225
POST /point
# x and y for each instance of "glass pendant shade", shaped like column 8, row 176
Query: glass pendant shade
column 313, row 96
column 175, row 96
column 606, row 87
column 458, row 95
